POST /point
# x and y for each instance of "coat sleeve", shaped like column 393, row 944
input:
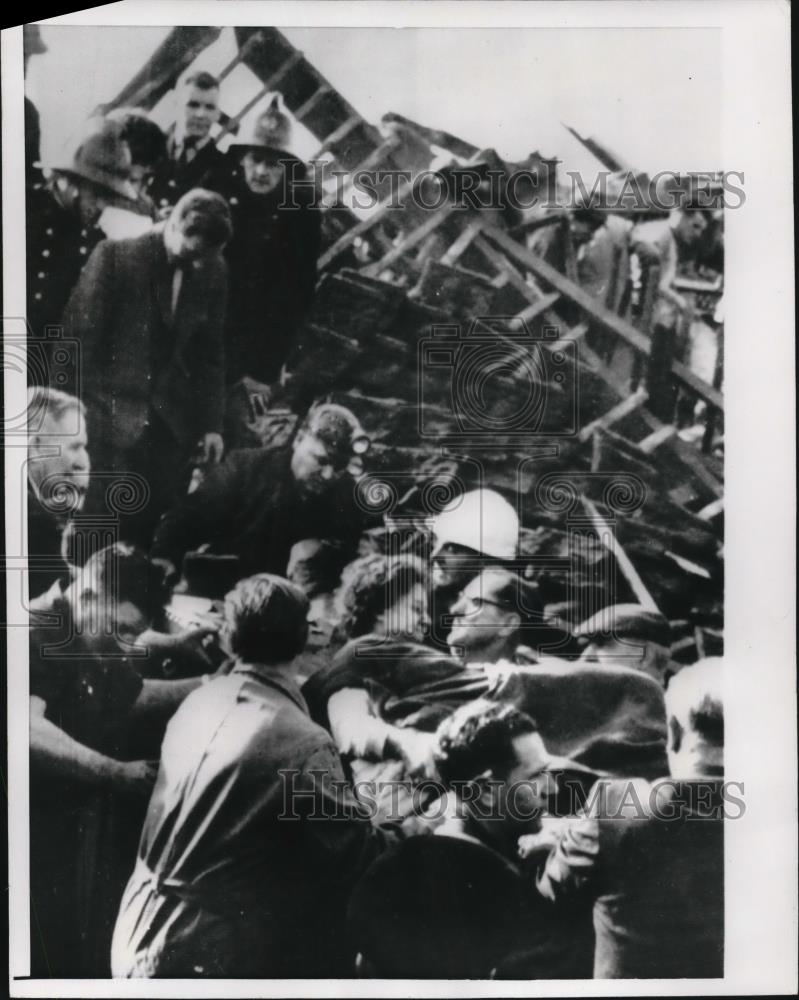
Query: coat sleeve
column 210, row 358
column 87, row 318
column 199, row 517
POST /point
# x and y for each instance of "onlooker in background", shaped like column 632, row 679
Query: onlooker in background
column 147, row 144
column 272, row 256
column 62, row 221
column 315, row 567
column 652, row 856
column 628, row 635
column 193, row 160
column 252, row 837
column 58, row 481
column 259, row 502
column 149, row 315
column 455, row 904
column 87, row 699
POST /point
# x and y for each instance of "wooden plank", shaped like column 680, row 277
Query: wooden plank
column 657, row 438
column 534, row 310
column 164, row 67
column 611, row 543
column 311, row 103
column 599, row 314
column 268, row 85
column 361, row 227
column 461, row 244
column 343, row 130
column 383, row 151
column 616, row 413
column 696, row 462
column 712, row 510
column 409, row 242
column 241, row 55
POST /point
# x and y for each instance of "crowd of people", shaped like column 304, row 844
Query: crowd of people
column 364, row 761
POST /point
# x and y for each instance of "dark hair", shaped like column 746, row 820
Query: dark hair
column 267, row 617
column 125, row 574
column 202, row 79
column 323, row 560
column 373, row 583
column 146, row 141
column 203, row 213
column 479, row 737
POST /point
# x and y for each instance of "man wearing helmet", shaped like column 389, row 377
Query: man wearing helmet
column 477, row 530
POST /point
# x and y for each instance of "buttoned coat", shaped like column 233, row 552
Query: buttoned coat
column 138, row 358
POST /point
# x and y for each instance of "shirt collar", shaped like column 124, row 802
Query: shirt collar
column 274, row 678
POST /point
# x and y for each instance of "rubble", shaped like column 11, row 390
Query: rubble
column 399, row 278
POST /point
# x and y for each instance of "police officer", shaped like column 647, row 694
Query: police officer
column 272, row 258
column 62, row 224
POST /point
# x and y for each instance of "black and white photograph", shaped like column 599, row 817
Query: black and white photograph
column 381, row 602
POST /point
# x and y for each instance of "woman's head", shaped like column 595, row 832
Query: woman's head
column 386, row 595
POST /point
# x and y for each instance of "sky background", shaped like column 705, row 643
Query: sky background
column 652, row 95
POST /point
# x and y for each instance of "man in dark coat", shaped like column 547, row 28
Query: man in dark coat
column 193, row 159
column 651, row 856
column 149, row 315
column 258, row 503
column 272, row 262
column 61, row 221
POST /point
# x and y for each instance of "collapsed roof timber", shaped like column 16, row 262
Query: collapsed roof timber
column 401, row 281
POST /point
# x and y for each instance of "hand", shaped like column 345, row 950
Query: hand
column 213, row 448
column 135, row 777
column 416, row 749
column 545, row 839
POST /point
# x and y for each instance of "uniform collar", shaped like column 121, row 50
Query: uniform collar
column 274, row 678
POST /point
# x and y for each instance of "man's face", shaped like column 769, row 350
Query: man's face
column 480, row 617
column 97, row 616
column 261, row 174
column 581, row 231
column 141, row 178
column 313, row 465
column 690, row 228
column 407, row 617
column 527, row 784
column 185, row 249
column 59, row 464
column 200, row 111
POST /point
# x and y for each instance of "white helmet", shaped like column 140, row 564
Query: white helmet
column 481, row 520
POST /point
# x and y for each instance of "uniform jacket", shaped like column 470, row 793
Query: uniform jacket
column 207, row 169
column 272, row 261
column 57, row 248
column 136, row 357
column 250, row 842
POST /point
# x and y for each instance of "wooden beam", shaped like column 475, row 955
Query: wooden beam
column 611, row 543
column 599, row 314
column 712, row 510
column 618, row 412
column 461, row 244
column 311, row 103
column 361, row 227
column 343, row 130
column 534, row 310
column 162, row 70
column 657, row 438
column 409, row 242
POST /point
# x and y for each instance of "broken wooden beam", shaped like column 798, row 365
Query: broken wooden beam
column 599, row 314
column 611, row 543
